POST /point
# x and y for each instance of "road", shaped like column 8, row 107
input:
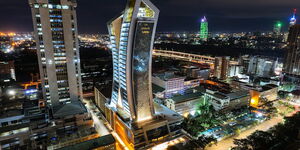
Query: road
column 228, row 143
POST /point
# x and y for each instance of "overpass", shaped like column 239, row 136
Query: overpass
column 188, row 57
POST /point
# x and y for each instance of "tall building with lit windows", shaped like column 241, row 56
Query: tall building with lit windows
column 134, row 116
column 204, row 29
column 291, row 66
column 132, row 35
column 55, row 28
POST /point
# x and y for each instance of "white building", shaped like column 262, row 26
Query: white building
column 55, row 30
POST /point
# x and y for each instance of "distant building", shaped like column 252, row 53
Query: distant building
column 293, row 19
column 262, row 67
column 221, row 67
column 234, row 70
column 204, row 29
column 277, row 28
column 244, row 61
column 7, row 71
column 55, row 30
column 291, row 67
column 196, row 72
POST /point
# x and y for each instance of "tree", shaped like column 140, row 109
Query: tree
column 275, row 138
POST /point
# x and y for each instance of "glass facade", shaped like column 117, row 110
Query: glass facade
column 131, row 36
column 141, row 63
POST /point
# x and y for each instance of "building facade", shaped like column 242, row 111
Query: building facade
column 221, row 67
column 171, row 83
column 291, row 66
column 7, row 71
column 139, row 122
column 55, row 30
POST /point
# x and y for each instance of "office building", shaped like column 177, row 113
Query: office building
column 262, row 67
column 291, row 66
column 204, row 29
column 184, row 104
column 138, row 121
column 221, row 67
column 170, row 82
column 7, row 71
column 55, row 30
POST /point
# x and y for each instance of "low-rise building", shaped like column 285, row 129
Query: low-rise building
column 227, row 102
column 184, row 104
column 172, row 83
column 263, row 95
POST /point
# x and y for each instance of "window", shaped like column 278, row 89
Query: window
column 36, row 6
column 65, row 7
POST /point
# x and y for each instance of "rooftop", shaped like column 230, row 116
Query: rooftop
column 92, row 144
column 68, row 109
column 186, row 97
column 168, row 76
column 238, row 94
column 156, row 88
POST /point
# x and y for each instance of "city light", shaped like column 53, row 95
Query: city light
column 12, row 92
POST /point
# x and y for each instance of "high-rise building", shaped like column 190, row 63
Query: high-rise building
column 204, row 29
column 262, row 67
column 221, row 67
column 293, row 20
column 132, row 37
column 7, row 71
column 55, row 28
column 277, row 28
column 134, row 116
column 292, row 64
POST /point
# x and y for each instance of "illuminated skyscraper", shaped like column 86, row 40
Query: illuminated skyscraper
column 277, row 28
column 292, row 64
column 204, row 29
column 132, row 36
column 55, row 29
column 132, row 113
column 293, row 20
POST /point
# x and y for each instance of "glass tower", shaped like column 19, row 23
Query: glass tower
column 55, row 29
column 204, row 29
column 132, row 36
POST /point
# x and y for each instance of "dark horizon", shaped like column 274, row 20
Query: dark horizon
column 175, row 15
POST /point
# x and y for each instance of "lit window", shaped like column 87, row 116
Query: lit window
column 50, row 6
column 45, row 5
column 38, row 15
column 65, row 7
column 58, row 6
column 36, row 6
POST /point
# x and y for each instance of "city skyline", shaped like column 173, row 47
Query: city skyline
column 133, row 89
column 246, row 16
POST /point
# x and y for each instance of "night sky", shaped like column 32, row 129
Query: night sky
column 175, row 15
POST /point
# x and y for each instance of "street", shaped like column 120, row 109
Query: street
column 228, row 143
